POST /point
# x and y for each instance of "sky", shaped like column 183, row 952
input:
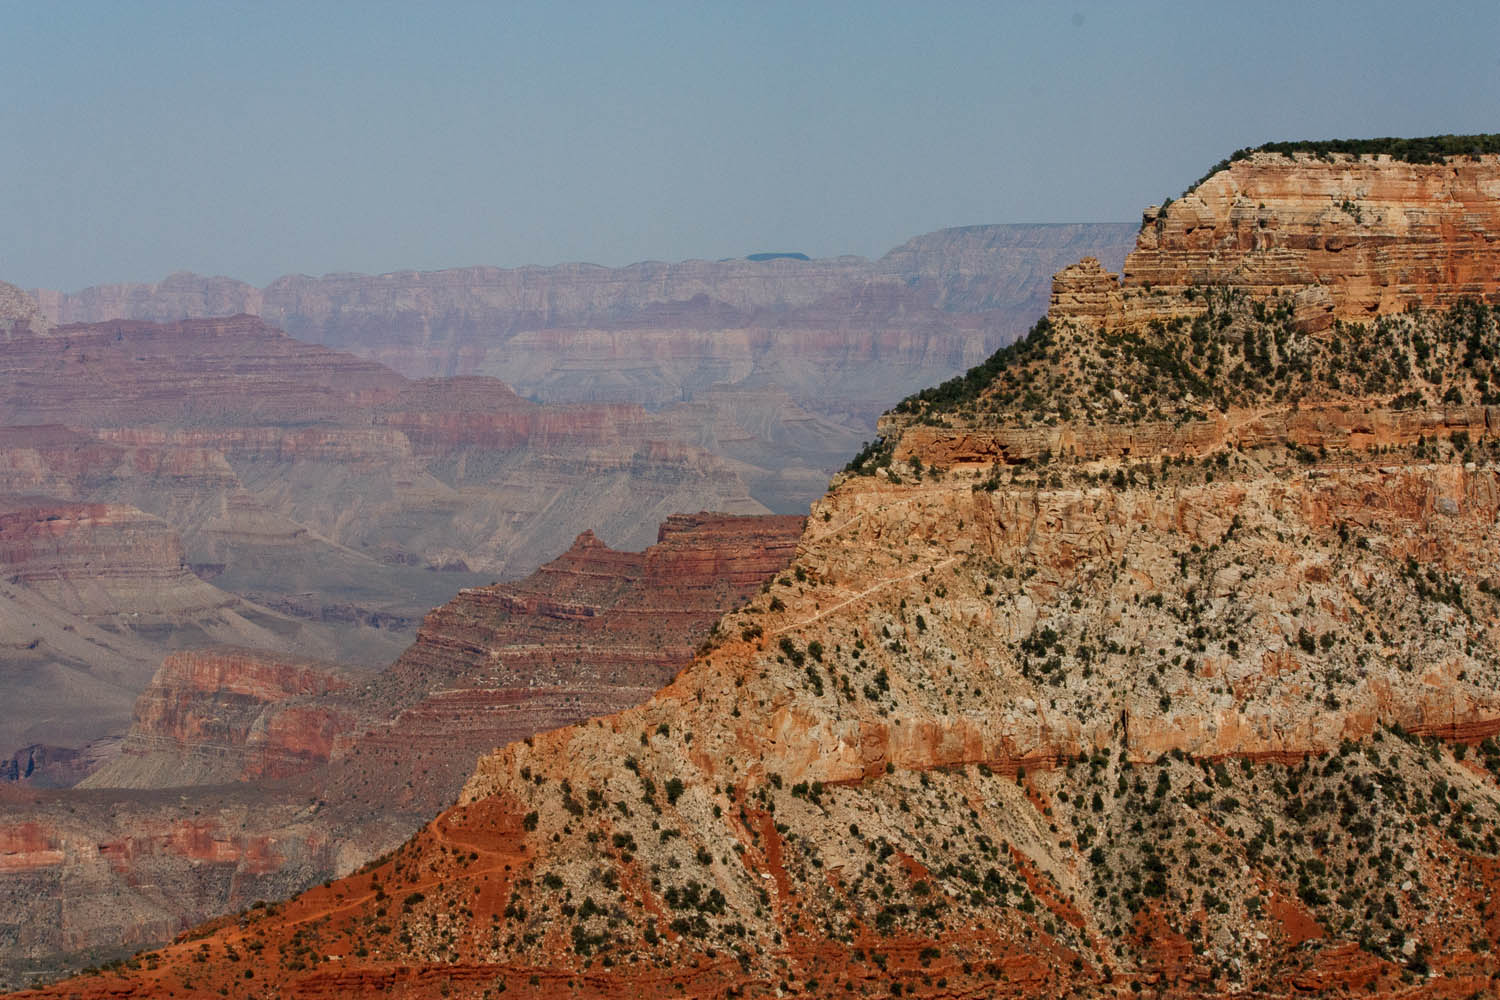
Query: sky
column 261, row 139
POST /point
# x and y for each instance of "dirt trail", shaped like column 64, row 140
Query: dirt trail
column 866, row 593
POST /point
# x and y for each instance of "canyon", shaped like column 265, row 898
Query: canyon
column 338, row 499
column 1157, row 653
column 92, row 596
column 842, row 337
column 248, row 775
column 238, row 486
column 214, row 533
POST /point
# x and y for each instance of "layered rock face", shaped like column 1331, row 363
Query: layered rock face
column 92, row 596
column 67, row 550
column 1211, row 716
column 338, row 497
column 1376, row 234
column 291, row 771
column 232, row 715
column 224, row 371
column 1349, row 236
column 325, row 441
column 641, row 611
column 178, row 296
column 95, row 874
column 843, row 336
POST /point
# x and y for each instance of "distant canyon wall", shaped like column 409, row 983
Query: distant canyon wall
column 844, row 336
column 217, row 481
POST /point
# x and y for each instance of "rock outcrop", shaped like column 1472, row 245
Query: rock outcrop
column 1346, row 236
column 230, row 715
column 1094, row 723
column 19, row 313
column 1085, row 291
column 42, row 766
column 1376, row 234
column 104, row 558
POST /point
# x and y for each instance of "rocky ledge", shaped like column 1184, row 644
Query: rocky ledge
column 1348, row 236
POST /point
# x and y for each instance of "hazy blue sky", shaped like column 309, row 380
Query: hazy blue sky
column 266, row 138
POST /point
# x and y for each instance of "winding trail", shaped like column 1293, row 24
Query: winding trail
column 866, row 593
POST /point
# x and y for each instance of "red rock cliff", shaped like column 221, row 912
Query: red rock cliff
column 1351, row 236
column 231, row 714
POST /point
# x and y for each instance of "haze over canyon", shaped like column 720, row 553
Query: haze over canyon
column 214, row 533
column 1154, row 653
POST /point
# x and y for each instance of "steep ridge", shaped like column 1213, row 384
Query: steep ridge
column 843, row 335
column 1203, row 706
column 591, row 632
column 595, row 631
column 248, row 775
